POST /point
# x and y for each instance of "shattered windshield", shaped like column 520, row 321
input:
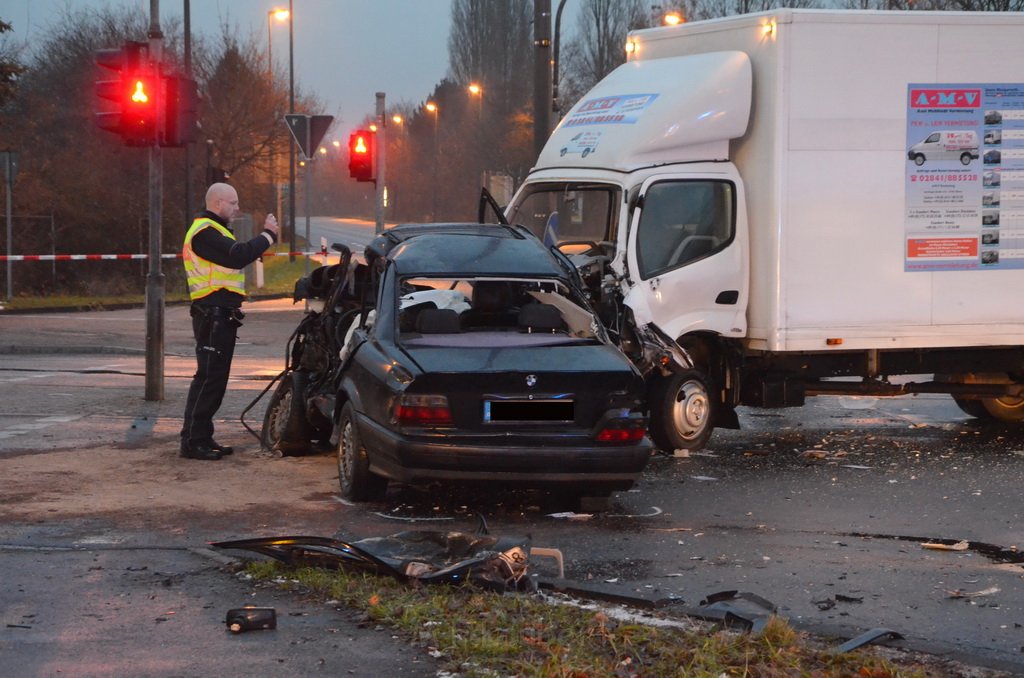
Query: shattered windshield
column 567, row 212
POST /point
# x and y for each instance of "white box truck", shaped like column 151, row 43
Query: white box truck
column 742, row 199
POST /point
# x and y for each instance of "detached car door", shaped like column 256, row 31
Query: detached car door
column 687, row 254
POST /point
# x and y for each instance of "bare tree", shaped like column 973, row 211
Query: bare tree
column 599, row 44
column 10, row 69
column 490, row 43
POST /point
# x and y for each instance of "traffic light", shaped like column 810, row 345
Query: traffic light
column 361, row 152
column 141, row 106
column 135, row 93
column 181, row 112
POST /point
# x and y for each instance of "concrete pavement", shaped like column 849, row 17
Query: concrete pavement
column 103, row 537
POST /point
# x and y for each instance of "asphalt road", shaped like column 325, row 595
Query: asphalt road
column 821, row 509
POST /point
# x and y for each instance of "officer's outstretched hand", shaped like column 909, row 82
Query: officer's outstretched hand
column 271, row 225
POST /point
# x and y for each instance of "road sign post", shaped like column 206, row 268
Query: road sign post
column 308, row 131
column 10, row 163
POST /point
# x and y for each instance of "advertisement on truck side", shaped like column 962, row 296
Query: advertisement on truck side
column 964, row 177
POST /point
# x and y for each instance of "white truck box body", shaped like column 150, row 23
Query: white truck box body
column 823, row 162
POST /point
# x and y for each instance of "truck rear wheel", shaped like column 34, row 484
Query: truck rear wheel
column 1005, row 408
column 965, row 158
column 1010, row 410
column 972, row 407
column 682, row 412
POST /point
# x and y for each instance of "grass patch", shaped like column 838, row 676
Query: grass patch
column 479, row 633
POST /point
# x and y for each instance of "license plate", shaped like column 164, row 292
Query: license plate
column 529, row 410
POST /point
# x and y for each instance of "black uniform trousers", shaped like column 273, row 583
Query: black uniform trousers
column 215, row 329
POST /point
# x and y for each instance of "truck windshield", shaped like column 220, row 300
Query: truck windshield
column 560, row 212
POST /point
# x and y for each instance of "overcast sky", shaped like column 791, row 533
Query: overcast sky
column 345, row 50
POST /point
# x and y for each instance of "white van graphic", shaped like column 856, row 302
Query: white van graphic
column 945, row 146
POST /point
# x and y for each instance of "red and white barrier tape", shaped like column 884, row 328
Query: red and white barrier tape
column 109, row 257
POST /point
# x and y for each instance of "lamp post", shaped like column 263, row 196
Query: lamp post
column 432, row 108
column 279, row 15
column 291, row 111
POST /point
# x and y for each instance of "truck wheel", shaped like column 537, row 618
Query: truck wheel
column 975, row 408
column 965, row 158
column 1007, row 409
column 285, row 428
column 919, row 159
column 682, row 412
column 354, row 476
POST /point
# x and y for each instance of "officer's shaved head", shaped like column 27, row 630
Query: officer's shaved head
column 222, row 200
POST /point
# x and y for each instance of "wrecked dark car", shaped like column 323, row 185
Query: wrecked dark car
column 476, row 357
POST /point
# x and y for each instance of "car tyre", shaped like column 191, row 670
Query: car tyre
column 285, row 428
column 682, row 411
column 355, row 479
column 965, row 158
column 919, row 159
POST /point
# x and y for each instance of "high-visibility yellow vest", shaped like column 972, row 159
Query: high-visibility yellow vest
column 206, row 277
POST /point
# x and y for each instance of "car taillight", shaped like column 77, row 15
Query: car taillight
column 423, row 410
column 629, row 434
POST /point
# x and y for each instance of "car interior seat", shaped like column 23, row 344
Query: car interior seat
column 438, row 321
column 540, row 318
column 492, row 305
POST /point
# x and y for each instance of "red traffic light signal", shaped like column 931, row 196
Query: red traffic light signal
column 136, row 94
column 139, row 111
column 361, row 155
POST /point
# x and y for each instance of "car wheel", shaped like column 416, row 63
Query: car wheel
column 682, row 412
column 965, row 158
column 586, row 152
column 919, row 159
column 354, row 476
column 285, row 428
column 562, row 153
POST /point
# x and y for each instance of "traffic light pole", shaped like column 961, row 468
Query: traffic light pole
column 380, row 149
column 155, row 277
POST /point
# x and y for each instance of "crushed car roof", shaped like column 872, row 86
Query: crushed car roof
column 467, row 249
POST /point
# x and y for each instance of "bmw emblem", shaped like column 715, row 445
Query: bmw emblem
column 531, row 380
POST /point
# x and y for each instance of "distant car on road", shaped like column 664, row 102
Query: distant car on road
column 477, row 358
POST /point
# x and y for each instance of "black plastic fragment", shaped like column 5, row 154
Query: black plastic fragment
column 866, row 638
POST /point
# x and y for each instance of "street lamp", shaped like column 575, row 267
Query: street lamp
column 432, row 108
column 672, row 18
column 477, row 91
column 279, row 15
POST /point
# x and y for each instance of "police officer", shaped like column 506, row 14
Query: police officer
column 216, row 285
